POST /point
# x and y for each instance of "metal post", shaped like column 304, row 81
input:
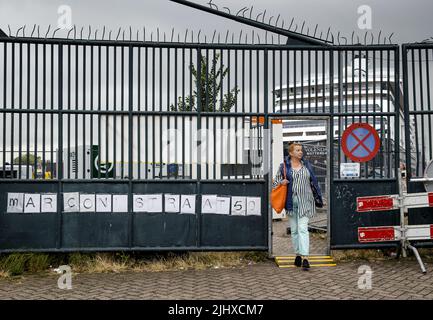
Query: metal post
column 415, row 251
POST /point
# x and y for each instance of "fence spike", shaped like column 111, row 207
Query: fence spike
column 315, row 30
column 10, row 33
column 263, row 20
column 16, row 34
column 164, row 37
column 282, row 24
column 345, row 40
column 144, row 34
column 109, row 35
column 227, row 9
column 237, row 14
column 353, row 34
column 365, row 38
column 137, row 35
column 219, row 37
column 103, row 33
column 157, row 34
column 34, row 27
column 327, row 34
column 257, row 18
column 24, row 31
column 390, row 42
column 251, row 11
column 227, row 35
column 338, row 37
column 81, row 32
column 233, row 38
column 308, row 31
column 372, row 38
column 293, row 19
column 240, row 36
column 276, row 21
column 302, row 29
column 378, row 40
column 96, row 32
column 54, row 32
column 151, row 36
column 296, row 27
column 270, row 19
column 118, row 33
column 39, row 34
column 357, row 38
column 211, row 5
column 90, row 32
column 123, row 35
column 213, row 36
column 130, row 33
column 172, row 34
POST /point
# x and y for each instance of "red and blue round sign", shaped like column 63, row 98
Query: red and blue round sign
column 360, row 142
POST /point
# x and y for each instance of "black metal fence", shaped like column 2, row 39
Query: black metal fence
column 131, row 118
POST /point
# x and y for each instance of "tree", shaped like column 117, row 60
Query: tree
column 212, row 86
column 30, row 160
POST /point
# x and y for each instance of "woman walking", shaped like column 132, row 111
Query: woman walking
column 303, row 195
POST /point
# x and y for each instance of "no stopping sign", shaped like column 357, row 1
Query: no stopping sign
column 360, row 142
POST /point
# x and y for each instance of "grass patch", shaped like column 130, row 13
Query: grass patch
column 115, row 262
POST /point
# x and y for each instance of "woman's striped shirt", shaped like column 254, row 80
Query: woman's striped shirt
column 301, row 189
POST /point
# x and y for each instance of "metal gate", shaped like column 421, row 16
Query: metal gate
column 417, row 72
column 138, row 124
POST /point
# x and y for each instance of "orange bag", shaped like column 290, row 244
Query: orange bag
column 279, row 195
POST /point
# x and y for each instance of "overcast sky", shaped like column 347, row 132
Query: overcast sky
column 410, row 21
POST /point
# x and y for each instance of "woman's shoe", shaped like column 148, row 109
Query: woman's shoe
column 298, row 261
column 305, row 265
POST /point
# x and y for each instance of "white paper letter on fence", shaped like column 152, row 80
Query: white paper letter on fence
column 120, row 203
column 15, row 202
column 223, row 205
column 172, row 203
column 103, row 202
column 187, row 203
column 253, row 206
column 49, row 202
column 32, row 202
column 87, row 203
column 154, row 202
column 208, row 203
column 70, row 202
column 139, row 203
column 238, row 206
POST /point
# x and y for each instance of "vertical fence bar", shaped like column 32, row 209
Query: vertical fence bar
column 76, row 109
column 397, row 112
column 84, row 119
column 44, row 102
column 12, row 108
column 60, row 150
column 130, row 142
column 99, row 109
column 406, row 113
column 199, row 107
column 20, row 107
column 52, row 114
column 115, row 107
column 428, row 88
column 5, row 63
